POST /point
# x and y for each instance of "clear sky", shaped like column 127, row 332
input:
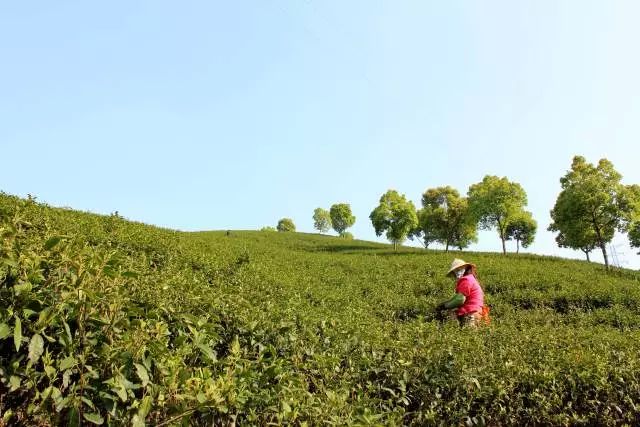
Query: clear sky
column 231, row 115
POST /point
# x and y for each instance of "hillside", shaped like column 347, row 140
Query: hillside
column 113, row 322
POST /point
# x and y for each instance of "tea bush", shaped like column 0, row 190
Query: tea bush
column 107, row 321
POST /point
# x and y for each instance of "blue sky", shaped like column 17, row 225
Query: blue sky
column 231, row 115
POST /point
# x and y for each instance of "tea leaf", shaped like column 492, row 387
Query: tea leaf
column 142, row 374
column 94, row 418
column 67, row 363
column 5, row 331
column 51, row 242
column 17, row 334
column 36, row 348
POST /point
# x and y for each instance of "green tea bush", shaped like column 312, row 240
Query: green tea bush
column 106, row 321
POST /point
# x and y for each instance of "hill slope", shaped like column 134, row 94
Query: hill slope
column 108, row 321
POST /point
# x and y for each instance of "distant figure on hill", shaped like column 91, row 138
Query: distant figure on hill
column 469, row 298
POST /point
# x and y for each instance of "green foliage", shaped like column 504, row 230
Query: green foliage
column 634, row 235
column 341, row 217
column 522, row 229
column 321, row 220
column 633, row 197
column 108, row 322
column 286, row 224
column 592, row 205
column 396, row 215
column 576, row 234
column 495, row 202
column 268, row 228
column 445, row 218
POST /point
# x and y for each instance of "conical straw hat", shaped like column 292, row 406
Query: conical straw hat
column 456, row 264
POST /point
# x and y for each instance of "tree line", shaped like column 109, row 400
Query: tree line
column 592, row 205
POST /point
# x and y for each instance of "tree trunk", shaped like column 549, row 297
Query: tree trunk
column 602, row 245
column 518, row 246
column 604, row 254
column 504, row 248
column 587, row 254
column 501, row 232
column 446, row 249
column 395, row 246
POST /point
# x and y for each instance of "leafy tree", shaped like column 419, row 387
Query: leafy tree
column 577, row 234
column 267, row 228
column 286, row 224
column 341, row 217
column 321, row 220
column 396, row 215
column 522, row 229
column 346, row 235
column 495, row 202
column 423, row 232
column 633, row 193
column 592, row 204
column 634, row 236
column 445, row 218
column 465, row 235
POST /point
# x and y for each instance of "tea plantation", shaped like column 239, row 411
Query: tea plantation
column 106, row 321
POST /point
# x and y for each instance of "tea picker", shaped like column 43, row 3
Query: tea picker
column 468, row 300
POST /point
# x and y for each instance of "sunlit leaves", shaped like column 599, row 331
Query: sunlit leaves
column 321, row 220
column 394, row 215
column 592, row 205
column 286, row 225
column 126, row 324
column 495, row 202
column 341, row 217
column 17, row 333
column 36, row 348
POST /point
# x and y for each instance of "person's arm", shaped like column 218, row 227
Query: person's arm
column 454, row 302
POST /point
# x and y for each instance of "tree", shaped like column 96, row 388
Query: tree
column 286, row 224
column 321, row 220
column 396, row 215
column 267, row 228
column 592, row 204
column 423, row 231
column 576, row 236
column 495, row 202
column 445, row 218
column 346, row 235
column 634, row 236
column 522, row 229
column 465, row 235
column 341, row 217
column 633, row 194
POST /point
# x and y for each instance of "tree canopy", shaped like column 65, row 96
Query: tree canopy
column 522, row 229
column 633, row 193
column 592, row 204
column 577, row 236
column 321, row 220
column 396, row 215
column 341, row 217
column 495, row 202
column 286, row 224
column 634, row 236
column 445, row 218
